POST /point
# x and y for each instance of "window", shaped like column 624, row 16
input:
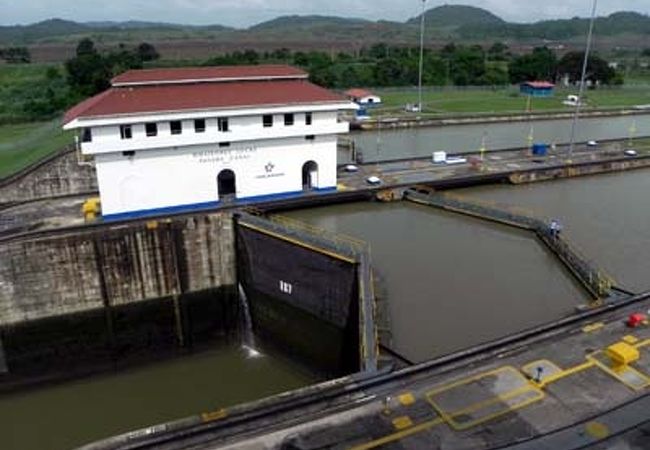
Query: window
column 224, row 144
column 151, row 129
column 267, row 120
column 288, row 120
column 125, row 132
column 308, row 118
column 176, row 127
column 128, row 153
column 222, row 124
column 199, row 125
column 86, row 135
column 310, row 137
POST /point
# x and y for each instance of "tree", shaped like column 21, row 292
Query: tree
column 86, row 47
column 88, row 73
column 16, row 55
column 646, row 52
column 147, row 52
column 598, row 70
column 498, row 52
column 541, row 64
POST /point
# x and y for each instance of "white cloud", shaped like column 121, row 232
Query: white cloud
column 248, row 12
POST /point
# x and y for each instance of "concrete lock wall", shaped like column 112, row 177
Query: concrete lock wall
column 57, row 175
column 72, row 273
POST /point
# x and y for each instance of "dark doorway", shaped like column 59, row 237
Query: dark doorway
column 309, row 175
column 226, row 185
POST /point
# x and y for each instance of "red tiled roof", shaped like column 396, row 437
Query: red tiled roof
column 357, row 93
column 199, row 74
column 187, row 97
column 540, row 84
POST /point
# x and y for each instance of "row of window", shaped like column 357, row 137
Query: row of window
column 176, row 126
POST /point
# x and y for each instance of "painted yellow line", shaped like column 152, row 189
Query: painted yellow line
column 464, row 426
column 593, row 327
column 299, row 243
column 566, row 373
column 399, row 435
column 214, row 415
column 497, row 398
column 476, row 377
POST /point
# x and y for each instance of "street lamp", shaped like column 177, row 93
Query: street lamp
column 582, row 78
column 421, row 56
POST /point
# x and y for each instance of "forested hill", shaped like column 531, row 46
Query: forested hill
column 449, row 22
column 457, row 16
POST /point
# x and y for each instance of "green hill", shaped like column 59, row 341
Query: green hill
column 286, row 23
column 454, row 16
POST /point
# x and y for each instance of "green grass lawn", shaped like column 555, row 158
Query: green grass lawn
column 504, row 100
column 23, row 144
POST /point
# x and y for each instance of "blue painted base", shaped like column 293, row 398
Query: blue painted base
column 209, row 205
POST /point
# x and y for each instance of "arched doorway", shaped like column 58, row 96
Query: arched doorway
column 226, row 185
column 309, row 175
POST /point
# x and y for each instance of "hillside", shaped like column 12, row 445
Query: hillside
column 285, row 23
column 454, row 16
column 53, row 40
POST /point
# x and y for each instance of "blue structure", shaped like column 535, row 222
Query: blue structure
column 537, row 88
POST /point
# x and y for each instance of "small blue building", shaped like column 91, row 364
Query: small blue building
column 537, row 88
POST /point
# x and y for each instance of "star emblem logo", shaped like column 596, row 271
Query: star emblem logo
column 269, row 167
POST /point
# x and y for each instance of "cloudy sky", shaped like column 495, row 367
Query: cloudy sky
column 243, row 13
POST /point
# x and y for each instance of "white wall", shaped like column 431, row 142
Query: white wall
column 370, row 100
column 107, row 139
column 171, row 177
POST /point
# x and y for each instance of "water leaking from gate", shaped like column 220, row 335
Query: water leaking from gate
column 247, row 333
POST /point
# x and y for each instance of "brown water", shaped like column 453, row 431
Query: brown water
column 452, row 281
column 606, row 216
column 71, row 414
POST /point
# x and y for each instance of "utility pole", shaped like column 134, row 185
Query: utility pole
column 424, row 2
column 583, row 77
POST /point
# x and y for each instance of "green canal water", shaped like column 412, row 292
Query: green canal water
column 606, row 216
column 71, row 414
column 451, row 281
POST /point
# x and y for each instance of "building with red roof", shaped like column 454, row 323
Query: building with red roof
column 186, row 138
column 362, row 97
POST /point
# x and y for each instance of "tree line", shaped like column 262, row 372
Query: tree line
column 90, row 70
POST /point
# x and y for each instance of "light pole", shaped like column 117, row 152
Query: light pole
column 421, row 56
column 585, row 63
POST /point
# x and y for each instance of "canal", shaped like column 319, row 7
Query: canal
column 453, row 282
column 67, row 415
column 450, row 282
column 389, row 144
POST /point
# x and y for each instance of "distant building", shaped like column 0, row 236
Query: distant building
column 362, row 97
column 167, row 140
column 537, row 88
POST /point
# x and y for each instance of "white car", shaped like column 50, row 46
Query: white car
column 351, row 168
column 629, row 152
column 592, row 144
column 373, row 180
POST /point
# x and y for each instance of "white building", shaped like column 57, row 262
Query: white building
column 363, row 97
column 166, row 140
